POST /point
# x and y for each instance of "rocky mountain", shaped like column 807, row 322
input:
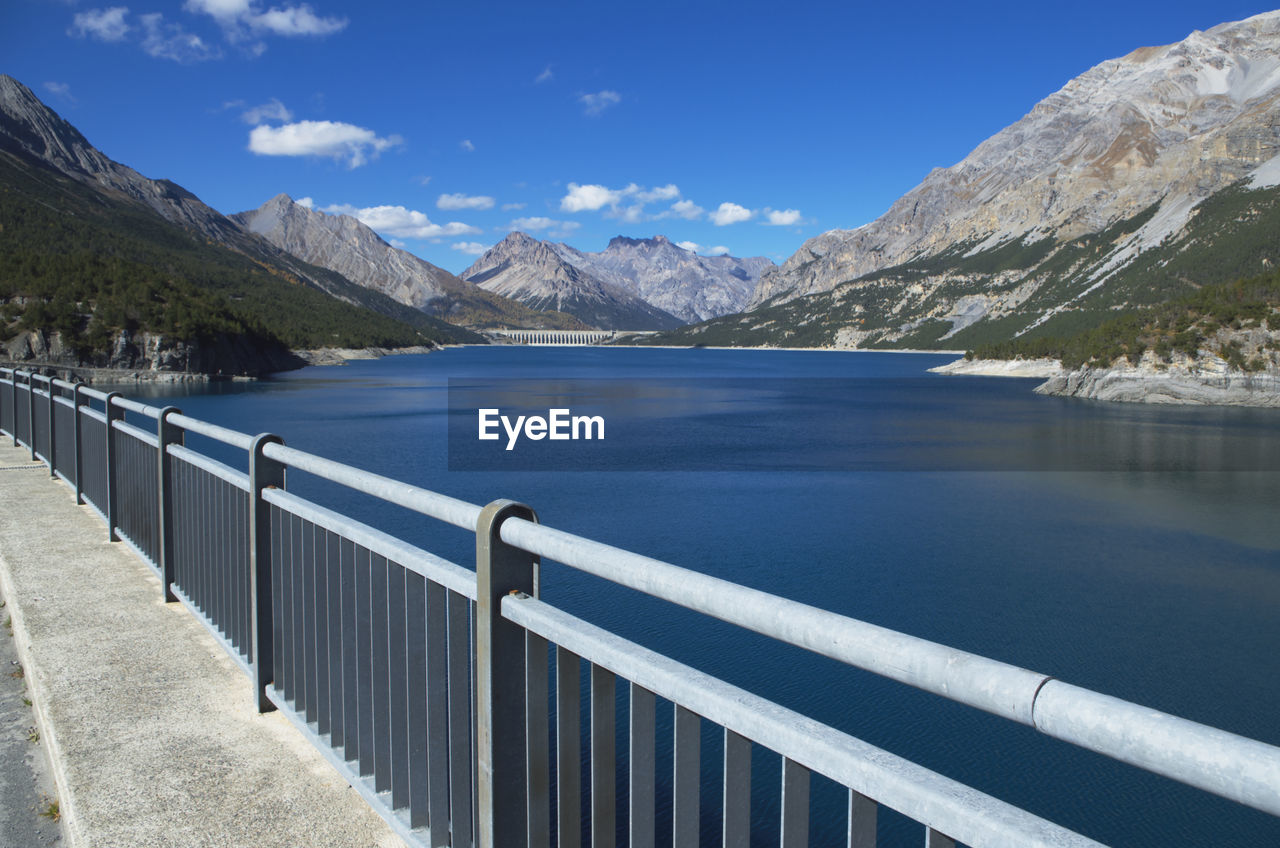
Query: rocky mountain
column 536, row 274
column 665, row 275
column 1099, row 199
column 345, row 245
column 92, row 254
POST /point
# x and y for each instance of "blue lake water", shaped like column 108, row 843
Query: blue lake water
column 1159, row 585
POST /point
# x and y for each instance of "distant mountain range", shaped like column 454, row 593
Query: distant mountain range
column 1138, row 181
column 633, row 284
column 343, row 244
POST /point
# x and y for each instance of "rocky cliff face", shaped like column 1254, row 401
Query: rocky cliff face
column 147, row 356
column 679, row 281
column 538, row 275
column 343, row 244
column 1129, row 151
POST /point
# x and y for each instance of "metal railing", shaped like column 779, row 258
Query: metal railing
column 429, row 685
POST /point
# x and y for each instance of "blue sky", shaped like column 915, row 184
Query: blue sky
column 746, row 126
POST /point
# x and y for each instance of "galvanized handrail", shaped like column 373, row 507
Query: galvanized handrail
column 963, row 813
column 227, row 436
column 1186, row 751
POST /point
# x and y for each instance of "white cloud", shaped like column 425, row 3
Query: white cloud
column 533, row 225
column 633, row 214
column 467, row 146
column 781, row 217
column 59, row 89
column 730, row 213
column 320, row 138
column 512, row 207
column 545, row 76
column 170, row 41
column 667, row 192
column 237, row 15
column 718, row 250
column 272, row 110
column 588, row 198
column 594, row 104
column 691, row 246
column 102, row 24
column 296, row 20
column 462, row 201
column 687, row 209
column 306, row 202
column 473, row 248
column 422, row 180
column 400, row 222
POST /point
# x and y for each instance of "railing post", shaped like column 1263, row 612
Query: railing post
column 167, row 434
column 114, row 413
column 13, row 397
column 501, row 743
column 75, row 431
column 264, row 473
column 53, row 441
column 31, row 413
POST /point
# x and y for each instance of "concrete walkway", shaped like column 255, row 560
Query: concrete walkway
column 149, row 726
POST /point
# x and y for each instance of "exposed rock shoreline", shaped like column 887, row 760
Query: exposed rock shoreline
column 1202, row 382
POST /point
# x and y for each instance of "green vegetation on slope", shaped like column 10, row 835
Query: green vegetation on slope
column 1185, row 325
column 88, row 264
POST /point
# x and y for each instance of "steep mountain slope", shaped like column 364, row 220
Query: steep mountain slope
column 679, row 281
column 537, row 275
column 346, row 246
column 95, row 252
column 1079, row 209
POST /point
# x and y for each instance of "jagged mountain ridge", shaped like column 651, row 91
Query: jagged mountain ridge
column 536, row 274
column 1144, row 140
column 348, row 247
column 665, row 275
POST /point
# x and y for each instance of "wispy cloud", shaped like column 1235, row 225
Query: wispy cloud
column 588, row 198
column 687, row 209
column 467, row 146
column 241, row 18
column 691, row 246
column 102, row 24
column 473, row 248
column 512, row 207
column 306, row 202
column 400, row 222
column 272, row 110
column 59, row 89
column 545, row 76
column 731, row 213
column 594, row 104
column 462, row 201
column 539, row 224
column 326, row 139
column 163, row 40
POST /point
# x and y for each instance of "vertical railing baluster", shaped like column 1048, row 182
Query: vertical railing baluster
column 568, row 748
column 538, row 732
column 862, row 821
column 310, row 618
column 167, row 433
column 31, row 416
column 686, row 785
column 13, row 400
column 52, row 449
column 604, row 800
column 935, row 839
column 397, row 639
column 795, row 805
column 644, row 768
column 350, row 687
column 333, row 626
column 264, row 473
column 114, row 413
column 501, row 746
column 737, row 790
column 415, row 601
column 460, row 718
column 381, row 675
column 437, row 713
column 364, row 664
column 76, row 438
